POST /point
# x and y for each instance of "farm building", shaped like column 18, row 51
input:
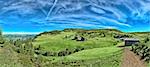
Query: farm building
column 78, row 38
column 130, row 41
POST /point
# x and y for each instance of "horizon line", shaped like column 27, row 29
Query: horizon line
column 21, row 33
column 34, row 33
column 51, row 30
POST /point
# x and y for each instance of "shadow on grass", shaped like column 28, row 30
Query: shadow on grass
column 121, row 46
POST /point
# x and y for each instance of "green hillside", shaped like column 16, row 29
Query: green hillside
column 67, row 48
column 80, row 46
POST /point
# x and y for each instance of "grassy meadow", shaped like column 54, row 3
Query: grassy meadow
column 67, row 48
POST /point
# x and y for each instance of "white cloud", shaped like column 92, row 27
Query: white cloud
column 20, row 7
column 114, row 21
column 101, row 19
column 98, row 10
column 83, row 24
column 108, row 27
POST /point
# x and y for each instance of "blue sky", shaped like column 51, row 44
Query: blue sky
column 34, row 16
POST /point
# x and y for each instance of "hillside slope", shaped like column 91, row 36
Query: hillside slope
column 79, row 47
column 69, row 48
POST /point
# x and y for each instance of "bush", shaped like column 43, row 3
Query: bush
column 142, row 50
column 48, row 53
column 62, row 53
column 146, row 40
column 1, row 38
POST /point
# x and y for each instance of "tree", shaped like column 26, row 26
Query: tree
column 29, row 48
column 1, row 38
column 146, row 40
column 18, row 43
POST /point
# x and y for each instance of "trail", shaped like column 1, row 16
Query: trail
column 131, row 60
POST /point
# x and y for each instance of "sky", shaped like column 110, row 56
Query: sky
column 35, row 16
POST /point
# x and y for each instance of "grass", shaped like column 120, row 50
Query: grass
column 99, row 50
column 57, row 42
column 92, row 53
column 97, row 57
column 9, row 58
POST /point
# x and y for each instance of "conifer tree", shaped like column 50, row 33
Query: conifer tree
column 1, row 38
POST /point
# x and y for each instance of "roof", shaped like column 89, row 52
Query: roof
column 130, row 39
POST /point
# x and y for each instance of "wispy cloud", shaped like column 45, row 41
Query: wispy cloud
column 21, row 9
column 71, row 13
column 115, row 21
column 89, row 18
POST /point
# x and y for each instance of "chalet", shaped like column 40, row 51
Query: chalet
column 130, row 41
column 78, row 38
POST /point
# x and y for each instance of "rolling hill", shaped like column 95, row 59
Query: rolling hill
column 69, row 48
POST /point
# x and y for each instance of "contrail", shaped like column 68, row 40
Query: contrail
column 45, row 13
column 55, row 2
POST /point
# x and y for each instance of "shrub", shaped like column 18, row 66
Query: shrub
column 146, row 40
column 142, row 50
column 62, row 53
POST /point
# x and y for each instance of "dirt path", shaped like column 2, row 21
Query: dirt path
column 0, row 49
column 131, row 60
